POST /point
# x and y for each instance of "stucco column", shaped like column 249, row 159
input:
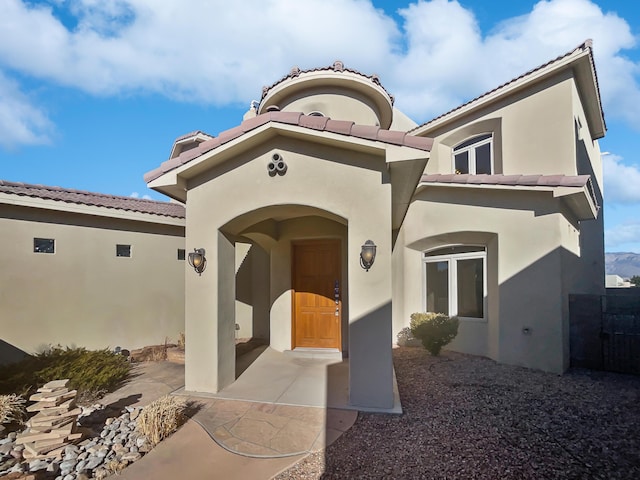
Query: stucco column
column 210, row 314
column 370, row 323
column 226, row 318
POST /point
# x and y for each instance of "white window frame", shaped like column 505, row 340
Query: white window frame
column 471, row 149
column 452, row 283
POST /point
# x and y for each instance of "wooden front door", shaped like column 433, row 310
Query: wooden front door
column 317, row 284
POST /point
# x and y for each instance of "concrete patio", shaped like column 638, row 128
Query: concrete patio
column 282, row 407
column 283, row 404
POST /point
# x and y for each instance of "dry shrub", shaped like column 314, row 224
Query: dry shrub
column 113, row 466
column 159, row 353
column 12, row 409
column 152, row 353
column 181, row 340
column 161, row 418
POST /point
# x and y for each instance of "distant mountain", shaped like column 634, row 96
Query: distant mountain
column 624, row 264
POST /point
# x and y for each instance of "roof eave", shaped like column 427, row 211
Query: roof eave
column 171, row 185
column 188, row 139
column 589, row 91
column 578, row 199
column 173, row 182
column 95, row 210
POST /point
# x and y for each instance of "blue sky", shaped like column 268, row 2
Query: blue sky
column 93, row 92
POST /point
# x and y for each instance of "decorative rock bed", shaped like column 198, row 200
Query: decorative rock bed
column 111, row 444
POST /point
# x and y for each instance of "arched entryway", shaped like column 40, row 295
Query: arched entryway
column 290, row 277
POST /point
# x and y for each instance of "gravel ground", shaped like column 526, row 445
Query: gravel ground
column 469, row 417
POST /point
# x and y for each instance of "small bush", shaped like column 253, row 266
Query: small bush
column 181, row 340
column 92, row 373
column 406, row 338
column 435, row 330
column 12, row 409
column 161, row 418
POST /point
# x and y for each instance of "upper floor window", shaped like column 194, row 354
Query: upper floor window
column 474, row 156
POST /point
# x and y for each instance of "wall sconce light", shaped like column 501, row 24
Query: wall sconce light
column 197, row 260
column 367, row 255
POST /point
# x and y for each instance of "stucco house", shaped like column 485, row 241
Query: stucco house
column 490, row 212
column 87, row 269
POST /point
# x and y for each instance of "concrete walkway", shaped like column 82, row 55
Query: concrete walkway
column 268, row 430
column 190, row 453
column 234, row 438
column 305, row 377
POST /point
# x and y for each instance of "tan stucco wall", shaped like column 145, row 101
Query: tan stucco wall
column 589, row 274
column 533, row 132
column 353, row 192
column 83, row 294
column 338, row 94
column 525, row 237
column 252, row 291
column 542, row 257
column 401, row 121
column 337, row 105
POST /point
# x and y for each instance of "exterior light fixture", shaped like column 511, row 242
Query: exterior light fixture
column 197, row 260
column 367, row 255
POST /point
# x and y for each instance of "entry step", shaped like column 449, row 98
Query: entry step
column 318, row 353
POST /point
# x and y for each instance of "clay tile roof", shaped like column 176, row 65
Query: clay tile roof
column 290, row 118
column 342, row 127
column 192, row 134
column 511, row 180
column 367, row 132
column 317, row 123
column 586, row 45
column 80, row 197
column 337, row 66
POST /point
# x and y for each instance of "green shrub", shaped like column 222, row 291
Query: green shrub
column 435, row 330
column 91, row 372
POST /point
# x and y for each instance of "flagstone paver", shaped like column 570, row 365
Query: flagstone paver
column 267, row 429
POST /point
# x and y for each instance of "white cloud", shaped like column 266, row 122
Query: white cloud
column 137, row 195
column 561, row 22
column 626, row 234
column 214, row 51
column 450, row 64
column 442, row 62
column 21, row 122
column 621, row 182
column 221, row 52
